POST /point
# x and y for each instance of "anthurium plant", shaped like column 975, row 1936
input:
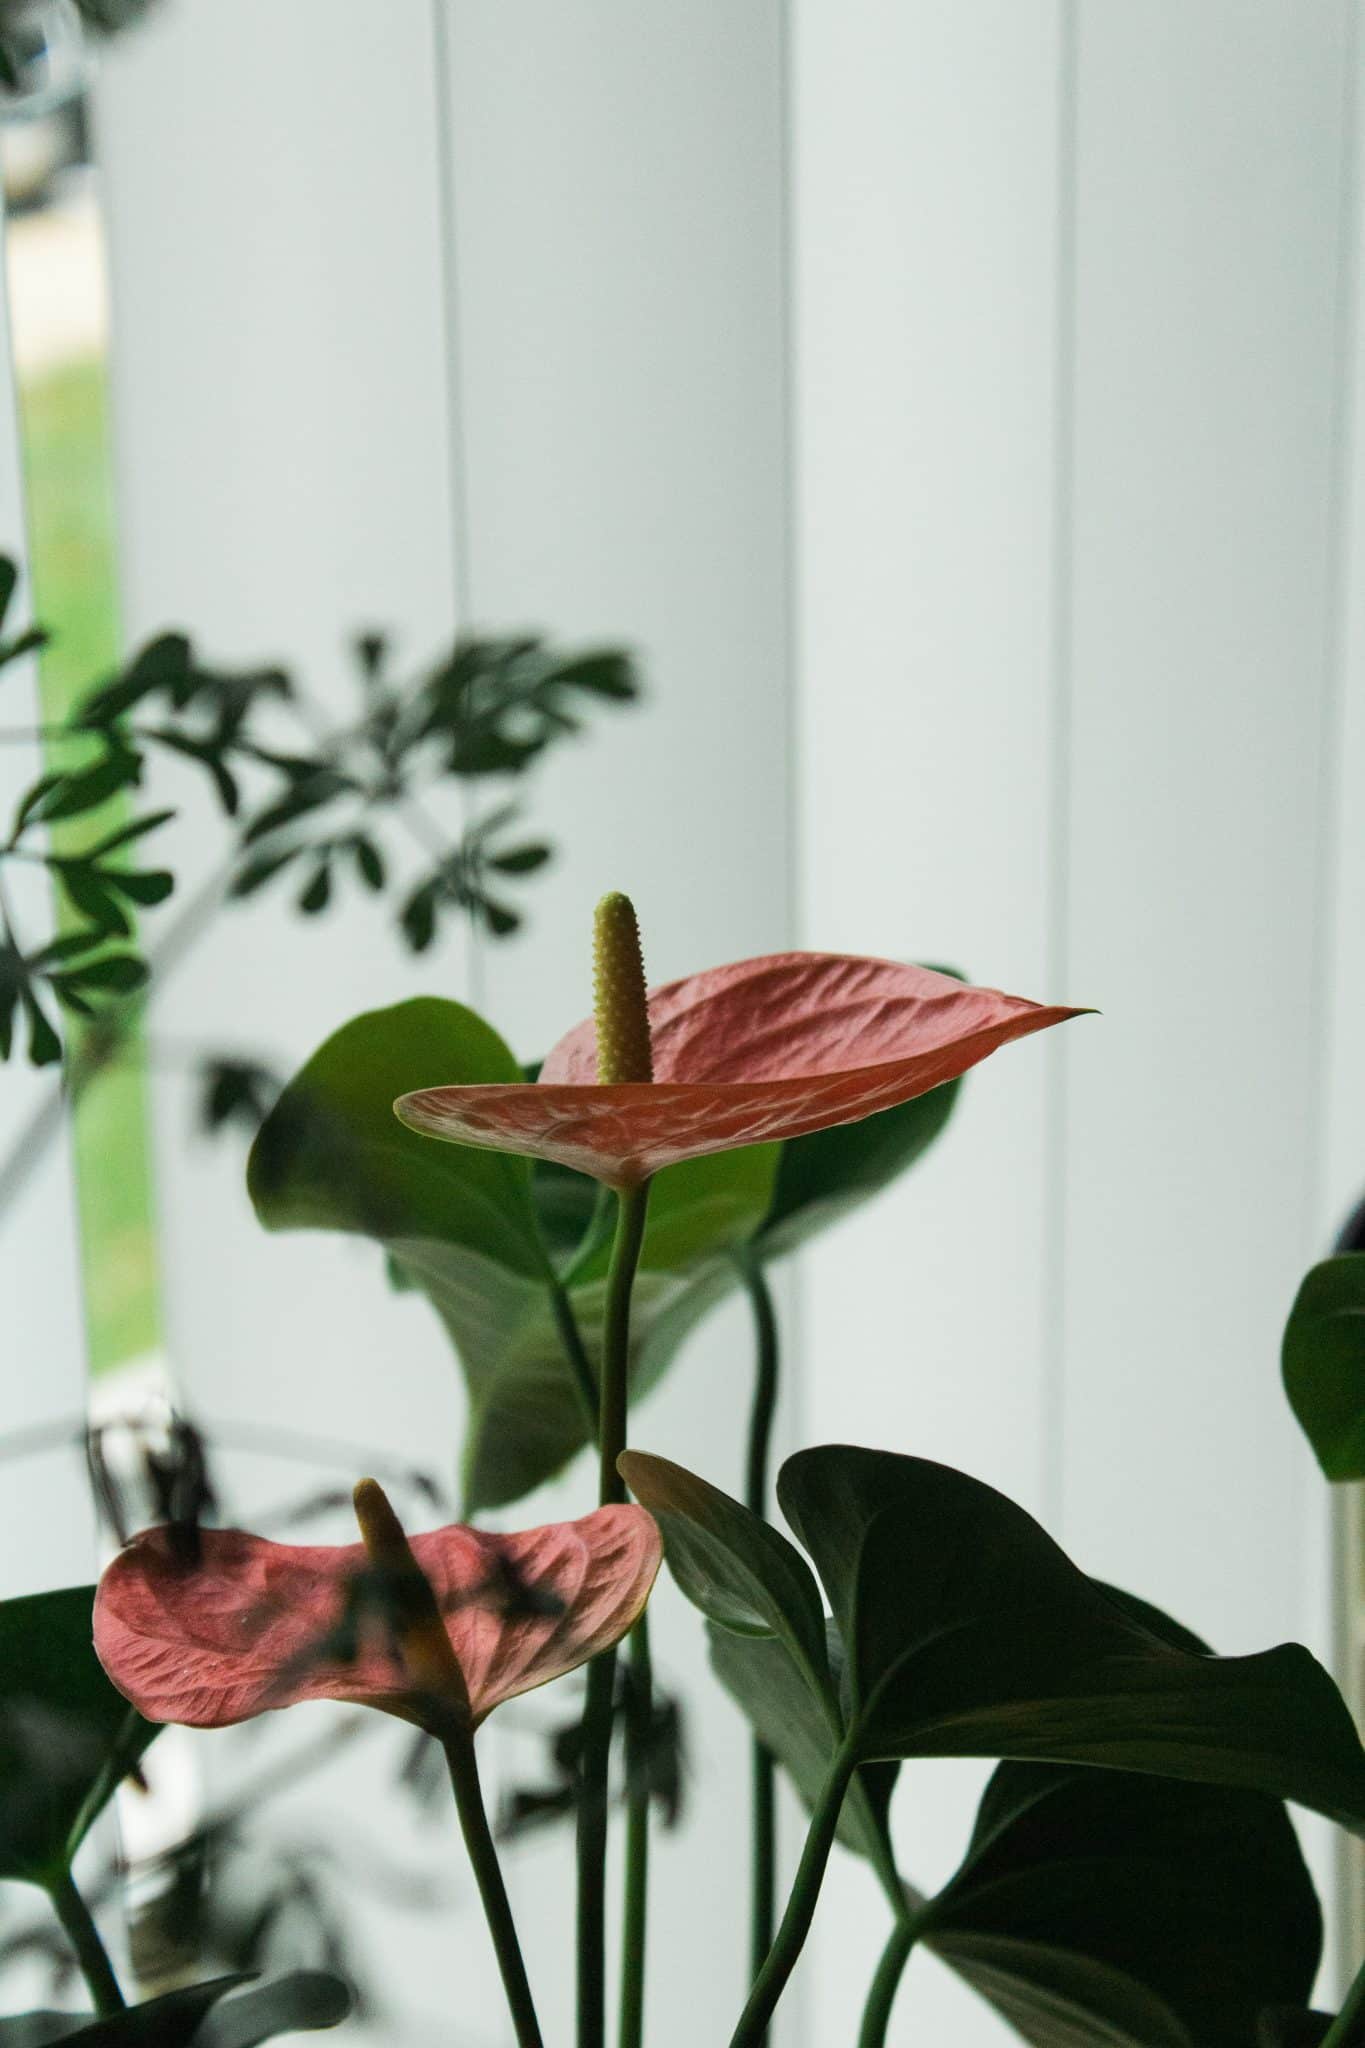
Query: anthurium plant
column 1133, row 1878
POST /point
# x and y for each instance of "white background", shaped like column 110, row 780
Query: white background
column 954, row 401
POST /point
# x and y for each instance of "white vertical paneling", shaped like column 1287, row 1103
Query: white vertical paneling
column 1342, row 1174
column 618, row 228
column 46, row 1528
column 1210, row 169
column 281, row 386
column 1209, row 172
column 925, row 197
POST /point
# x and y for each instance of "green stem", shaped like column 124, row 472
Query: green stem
column 84, row 1937
column 483, row 1856
column 763, row 1768
column 765, row 1383
column 791, row 1935
column 886, row 1982
column 632, row 1207
column 639, row 1727
column 571, row 1337
column 1348, row 2028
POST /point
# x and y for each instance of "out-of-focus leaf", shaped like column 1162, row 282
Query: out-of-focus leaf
column 215, row 2015
column 1324, row 1364
column 67, row 1737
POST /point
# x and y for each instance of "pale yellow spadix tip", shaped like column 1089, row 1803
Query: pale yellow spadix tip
column 380, row 1529
column 620, row 1006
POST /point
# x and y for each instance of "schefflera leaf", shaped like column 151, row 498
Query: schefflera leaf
column 1324, row 1364
column 470, row 1230
column 67, row 1737
column 968, row 1632
column 228, row 2012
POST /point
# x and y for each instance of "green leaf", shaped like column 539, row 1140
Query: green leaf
column 742, row 1573
column 971, row 1633
column 67, row 1737
column 461, row 1225
column 1324, row 1364
column 787, row 1715
column 214, row 2015
column 1106, row 1908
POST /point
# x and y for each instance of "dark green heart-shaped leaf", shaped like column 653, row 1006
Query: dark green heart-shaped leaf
column 741, row 1572
column 463, row 1227
column 1324, row 1363
column 1110, row 1909
column 970, row 1633
column 789, row 1718
column 67, row 1737
column 214, row 2015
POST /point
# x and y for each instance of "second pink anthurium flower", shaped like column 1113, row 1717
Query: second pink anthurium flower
column 447, row 1626
column 763, row 1049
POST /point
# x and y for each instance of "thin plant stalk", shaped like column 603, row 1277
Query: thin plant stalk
column 91, row 1954
column 886, row 1982
column 639, row 1726
column 796, row 1921
column 632, row 1208
column 458, row 1744
column 575, row 1351
column 763, row 1765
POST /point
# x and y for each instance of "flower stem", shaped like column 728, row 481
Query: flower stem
column 632, row 1207
column 763, row 1818
column 458, row 1744
column 84, row 1936
column 639, row 1726
column 571, row 1338
column 1348, row 2028
column 791, row 1935
column 886, row 1982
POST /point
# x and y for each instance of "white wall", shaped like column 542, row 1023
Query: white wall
column 531, row 317
column 1070, row 387
column 521, row 367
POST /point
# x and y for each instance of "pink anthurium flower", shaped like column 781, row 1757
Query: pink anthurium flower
column 444, row 1628
column 769, row 1048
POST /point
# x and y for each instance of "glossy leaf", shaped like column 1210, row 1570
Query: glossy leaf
column 67, row 1737
column 789, row 1717
column 1324, row 1364
column 1094, row 1908
column 462, row 1226
column 215, row 2015
column 757, row 1051
column 741, row 1572
column 255, row 1625
column 970, row 1633
column 1103, row 1907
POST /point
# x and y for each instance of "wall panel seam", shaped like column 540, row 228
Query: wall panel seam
column 1058, row 929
